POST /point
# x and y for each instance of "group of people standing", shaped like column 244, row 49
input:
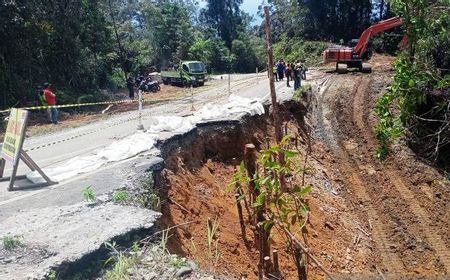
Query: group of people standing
column 293, row 71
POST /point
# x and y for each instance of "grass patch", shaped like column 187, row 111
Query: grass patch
column 121, row 261
column 178, row 262
column 120, row 196
column 88, row 194
column 12, row 241
column 148, row 196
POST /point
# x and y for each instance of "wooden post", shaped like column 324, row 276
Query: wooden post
column 241, row 217
column 276, row 265
column 267, row 266
column 250, row 165
column 273, row 94
column 300, row 263
column 229, row 84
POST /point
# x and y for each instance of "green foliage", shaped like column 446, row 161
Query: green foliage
column 88, row 194
column 213, row 241
column 178, row 262
column 293, row 49
column 148, row 196
column 12, row 241
column 53, row 275
column 334, row 20
column 415, row 102
column 213, row 53
column 248, row 53
column 121, row 261
column 302, row 91
column 223, row 18
column 120, row 196
column 282, row 208
column 388, row 127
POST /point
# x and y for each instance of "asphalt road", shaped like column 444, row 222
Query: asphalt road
column 99, row 134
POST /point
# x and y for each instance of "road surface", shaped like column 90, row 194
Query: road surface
column 98, row 135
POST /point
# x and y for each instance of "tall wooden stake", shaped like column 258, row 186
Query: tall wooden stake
column 273, row 94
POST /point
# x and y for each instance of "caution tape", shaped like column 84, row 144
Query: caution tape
column 72, row 105
column 100, row 129
column 87, row 104
column 148, row 101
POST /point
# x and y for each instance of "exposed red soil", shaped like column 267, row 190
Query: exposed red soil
column 196, row 178
column 367, row 217
column 410, row 224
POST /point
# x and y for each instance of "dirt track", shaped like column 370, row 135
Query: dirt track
column 404, row 202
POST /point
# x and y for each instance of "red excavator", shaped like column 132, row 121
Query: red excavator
column 348, row 57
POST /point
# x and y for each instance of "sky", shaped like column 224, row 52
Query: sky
column 249, row 6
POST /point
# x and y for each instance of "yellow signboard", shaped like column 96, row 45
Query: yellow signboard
column 15, row 132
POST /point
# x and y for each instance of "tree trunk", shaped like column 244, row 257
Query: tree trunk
column 273, row 94
column 119, row 44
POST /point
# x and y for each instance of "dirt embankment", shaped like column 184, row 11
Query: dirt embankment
column 405, row 202
column 369, row 219
column 198, row 169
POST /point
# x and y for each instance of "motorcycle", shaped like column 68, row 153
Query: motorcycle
column 149, row 86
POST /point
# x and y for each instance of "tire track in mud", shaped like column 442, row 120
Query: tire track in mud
column 425, row 224
column 390, row 261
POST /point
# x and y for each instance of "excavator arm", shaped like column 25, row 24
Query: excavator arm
column 381, row 26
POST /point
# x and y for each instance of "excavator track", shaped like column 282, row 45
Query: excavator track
column 395, row 218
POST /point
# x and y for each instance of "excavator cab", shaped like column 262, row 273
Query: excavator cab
column 352, row 43
column 353, row 56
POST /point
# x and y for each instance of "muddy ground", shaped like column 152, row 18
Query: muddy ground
column 385, row 219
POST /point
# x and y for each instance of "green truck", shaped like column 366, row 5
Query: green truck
column 187, row 73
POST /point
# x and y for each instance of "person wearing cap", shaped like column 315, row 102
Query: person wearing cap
column 50, row 98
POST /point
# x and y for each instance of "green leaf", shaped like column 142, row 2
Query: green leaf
column 305, row 191
column 290, row 154
column 260, row 200
column 268, row 225
column 266, row 180
column 242, row 167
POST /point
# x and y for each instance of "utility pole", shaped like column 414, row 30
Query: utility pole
column 140, row 125
column 276, row 116
column 229, row 84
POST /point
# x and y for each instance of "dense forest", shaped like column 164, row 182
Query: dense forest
column 83, row 46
